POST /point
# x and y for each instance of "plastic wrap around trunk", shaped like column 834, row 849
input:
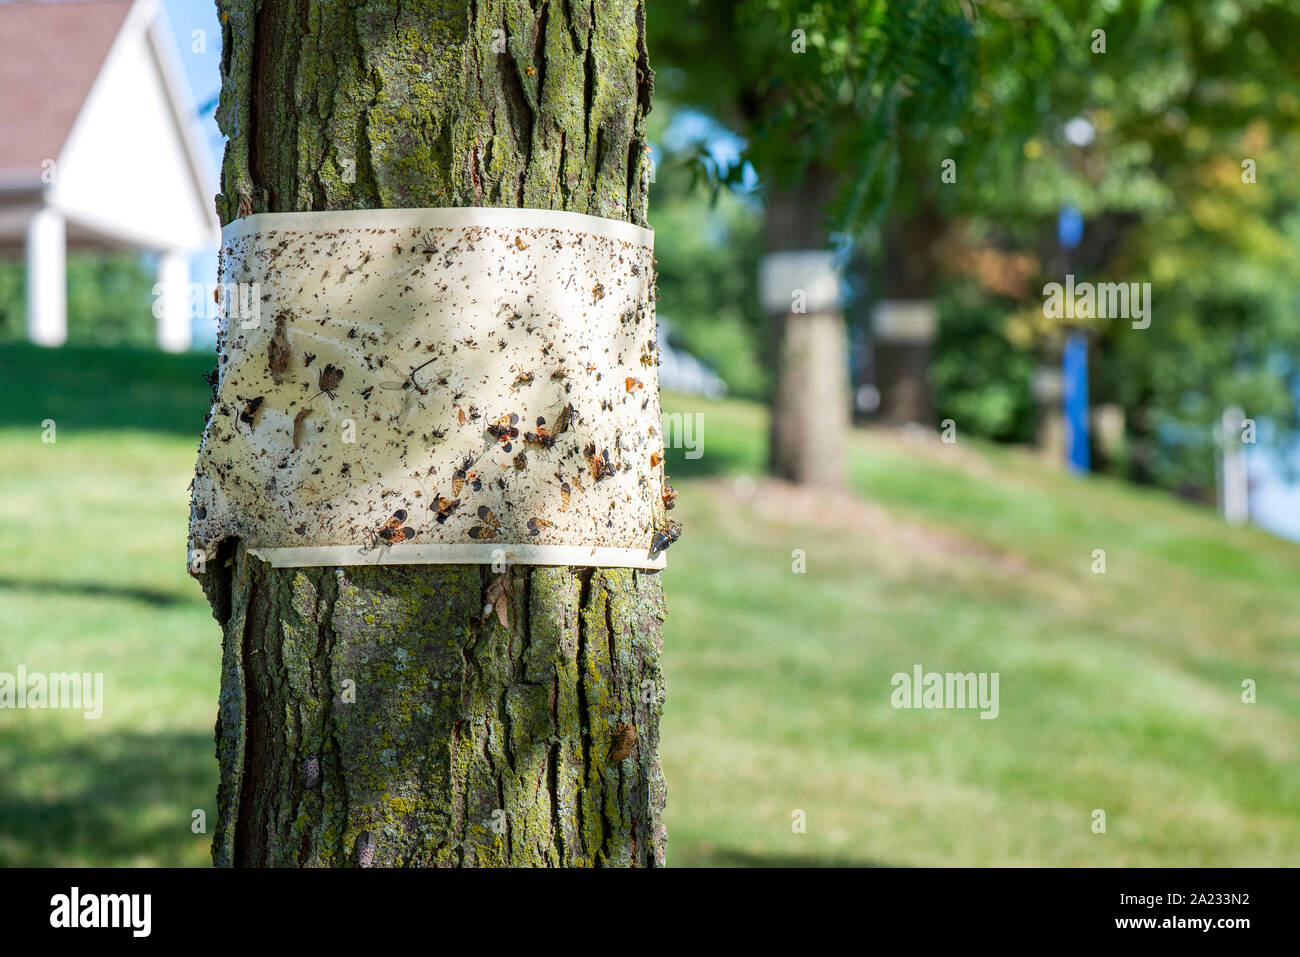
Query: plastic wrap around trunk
column 434, row 386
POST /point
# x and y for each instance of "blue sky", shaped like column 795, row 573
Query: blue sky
column 1275, row 504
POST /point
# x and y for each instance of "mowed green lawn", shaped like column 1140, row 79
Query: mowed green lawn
column 1118, row 691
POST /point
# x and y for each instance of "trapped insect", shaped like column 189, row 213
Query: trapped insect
column 665, row 535
column 490, row 525
column 504, row 429
column 330, row 378
column 542, row 436
column 395, row 529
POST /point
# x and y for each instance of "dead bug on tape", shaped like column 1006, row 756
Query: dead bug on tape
column 395, row 529
column 535, row 525
column 330, row 378
column 566, row 492
column 600, row 466
column 504, row 429
column 665, row 535
column 277, row 350
column 252, row 407
column 463, row 476
column 443, row 508
column 521, row 461
column 669, row 496
column 631, row 384
column 490, row 525
column 568, row 417
column 542, row 436
column 299, row 428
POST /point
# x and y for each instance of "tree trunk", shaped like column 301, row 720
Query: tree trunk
column 373, row 715
column 810, row 398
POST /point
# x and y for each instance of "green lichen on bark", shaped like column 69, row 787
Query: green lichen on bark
column 435, row 103
column 374, row 715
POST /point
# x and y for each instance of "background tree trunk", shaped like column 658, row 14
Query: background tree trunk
column 409, row 104
column 810, row 396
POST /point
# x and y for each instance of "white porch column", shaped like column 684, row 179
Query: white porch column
column 47, row 281
column 171, row 306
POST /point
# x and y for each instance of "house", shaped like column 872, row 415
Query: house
column 99, row 150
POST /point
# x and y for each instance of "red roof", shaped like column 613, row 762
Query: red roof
column 50, row 54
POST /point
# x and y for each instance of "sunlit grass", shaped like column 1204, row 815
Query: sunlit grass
column 1119, row 692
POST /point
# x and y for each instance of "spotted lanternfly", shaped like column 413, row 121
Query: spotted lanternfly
column 395, row 530
column 504, row 429
column 490, row 525
column 670, row 496
column 535, row 525
column 542, row 436
column 565, row 494
column 443, row 507
column 624, row 741
column 568, row 416
column 329, row 380
column 665, row 535
column 251, row 408
column 463, row 475
column 600, row 465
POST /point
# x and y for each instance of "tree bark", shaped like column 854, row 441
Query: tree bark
column 373, row 715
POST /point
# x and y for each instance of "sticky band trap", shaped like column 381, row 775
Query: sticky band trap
column 434, row 386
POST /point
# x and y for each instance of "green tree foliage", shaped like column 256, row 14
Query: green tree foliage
column 707, row 247
column 110, row 300
column 1188, row 103
column 822, row 85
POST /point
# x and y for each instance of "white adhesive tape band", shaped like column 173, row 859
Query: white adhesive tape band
column 435, row 386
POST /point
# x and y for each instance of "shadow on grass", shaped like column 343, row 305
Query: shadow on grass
column 731, row 857
column 110, row 800
column 149, row 596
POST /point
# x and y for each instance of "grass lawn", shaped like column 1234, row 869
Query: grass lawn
column 1118, row 691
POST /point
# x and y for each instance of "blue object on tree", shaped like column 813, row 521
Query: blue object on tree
column 1074, row 370
column 1069, row 227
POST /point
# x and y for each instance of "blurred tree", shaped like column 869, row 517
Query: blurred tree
column 518, row 758
column 818, row 92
